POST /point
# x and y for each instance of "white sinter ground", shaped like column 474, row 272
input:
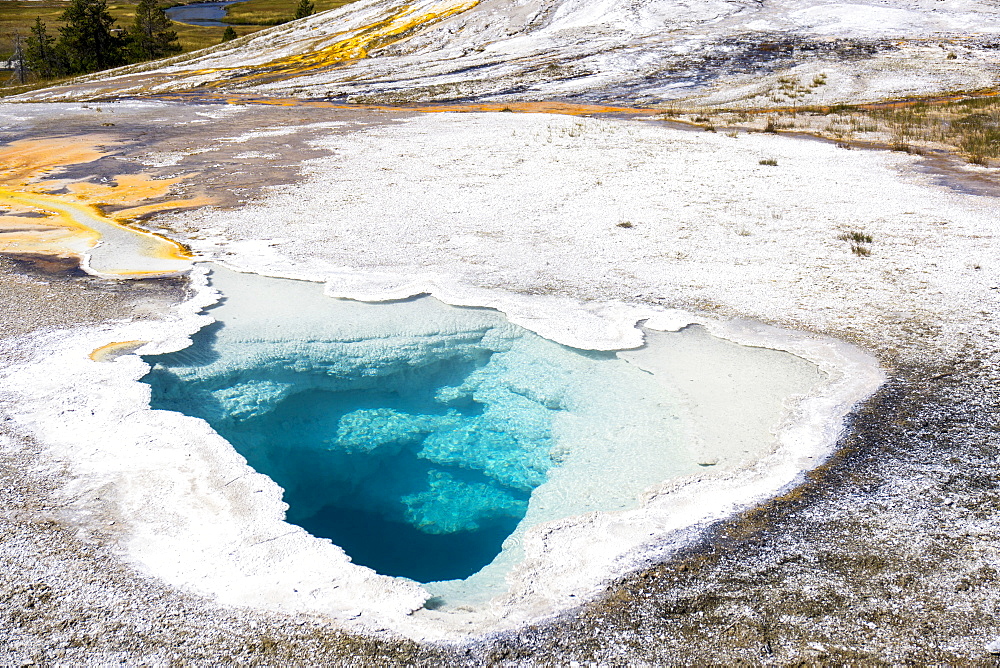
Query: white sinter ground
column 475, row 206
column 523, row 213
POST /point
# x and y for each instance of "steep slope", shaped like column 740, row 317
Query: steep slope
column 639, row 52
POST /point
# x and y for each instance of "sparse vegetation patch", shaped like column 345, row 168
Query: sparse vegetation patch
column 969, row 127
column 856, row 237
column 858, row 241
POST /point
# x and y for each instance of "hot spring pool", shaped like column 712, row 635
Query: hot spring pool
column 426, row 439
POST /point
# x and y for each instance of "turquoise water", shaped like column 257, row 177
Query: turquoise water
column 426, row 439
column 411, row 434
column 416, row 467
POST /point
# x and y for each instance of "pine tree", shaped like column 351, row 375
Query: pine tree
column 228, row 34
column 151, row 35
column 87, row 38
column 40, row 52
column 304, row 9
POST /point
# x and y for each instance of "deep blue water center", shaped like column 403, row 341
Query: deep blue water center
column 413, row 449
column 370, row 455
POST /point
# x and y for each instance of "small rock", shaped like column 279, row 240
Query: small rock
column 816, row 647
column 993, row 647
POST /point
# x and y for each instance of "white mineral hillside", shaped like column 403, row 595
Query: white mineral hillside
column 741, row 52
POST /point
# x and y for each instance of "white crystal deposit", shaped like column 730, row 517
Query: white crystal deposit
column 521, row 213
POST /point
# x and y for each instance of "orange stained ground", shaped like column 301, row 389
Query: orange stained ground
column 109, row 351
column 64, row 215
column 544, row 107
column 352, row 45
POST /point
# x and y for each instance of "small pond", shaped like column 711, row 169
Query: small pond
column 208, row 14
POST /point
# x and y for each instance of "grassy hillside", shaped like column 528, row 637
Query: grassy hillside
column 261, row 13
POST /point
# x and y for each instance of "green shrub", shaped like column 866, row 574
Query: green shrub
column 856, row 237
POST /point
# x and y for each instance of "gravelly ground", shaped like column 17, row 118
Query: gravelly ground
column 887, row 556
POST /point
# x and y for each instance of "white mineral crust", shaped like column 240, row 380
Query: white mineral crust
column 521, row 213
